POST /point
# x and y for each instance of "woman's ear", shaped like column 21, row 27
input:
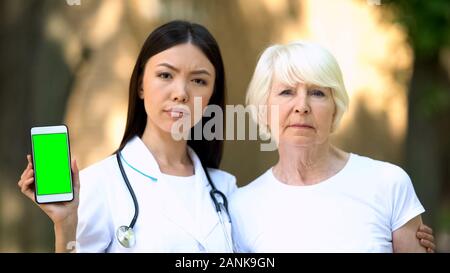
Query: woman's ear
column 141, row 90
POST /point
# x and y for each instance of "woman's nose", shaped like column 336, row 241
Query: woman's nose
column 301, row 110
column 180, row 93
column 302, row 106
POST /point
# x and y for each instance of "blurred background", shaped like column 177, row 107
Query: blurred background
column 69, row 61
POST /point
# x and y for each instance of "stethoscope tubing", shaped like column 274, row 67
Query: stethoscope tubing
column 220, row 207
column 130, row 190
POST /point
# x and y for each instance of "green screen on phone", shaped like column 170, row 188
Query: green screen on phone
column 51, row 163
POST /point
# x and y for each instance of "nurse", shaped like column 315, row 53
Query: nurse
column 178, row 62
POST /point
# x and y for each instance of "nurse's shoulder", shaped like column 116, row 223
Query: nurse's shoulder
column 224, row 181
column 99, row 171
column 99, row 178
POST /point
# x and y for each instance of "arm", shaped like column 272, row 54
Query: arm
column 63, row 215
column 65, row 235
column 404, row 238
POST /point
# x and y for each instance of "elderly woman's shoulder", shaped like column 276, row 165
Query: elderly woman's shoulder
column 382, row 170
column 254, row 188
column 245, row 200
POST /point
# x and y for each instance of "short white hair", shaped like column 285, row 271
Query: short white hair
column 298, row 61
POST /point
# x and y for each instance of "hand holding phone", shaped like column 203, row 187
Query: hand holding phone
column 58, row 207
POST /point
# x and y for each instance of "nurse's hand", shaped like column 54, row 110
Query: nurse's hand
column 58, row 212
column 64, row 214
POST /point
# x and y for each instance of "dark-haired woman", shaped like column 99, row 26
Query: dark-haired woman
column 155, row 194
column 160, row 183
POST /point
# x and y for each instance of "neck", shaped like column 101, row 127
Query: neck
column 166, row 150
column 308, row 165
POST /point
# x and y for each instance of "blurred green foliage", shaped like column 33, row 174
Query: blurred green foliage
column 427, row 24
column 435, row 101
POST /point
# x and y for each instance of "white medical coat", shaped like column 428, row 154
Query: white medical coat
column 163, row 224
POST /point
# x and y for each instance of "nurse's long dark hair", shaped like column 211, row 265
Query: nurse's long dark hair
column 164, row 37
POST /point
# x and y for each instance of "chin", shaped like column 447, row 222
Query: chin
column 164, row 126
column 300, row 141
column 168, row 129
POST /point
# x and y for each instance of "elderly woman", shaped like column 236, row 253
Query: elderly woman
column 317, row 197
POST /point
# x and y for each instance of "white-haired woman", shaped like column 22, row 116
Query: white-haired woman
column 318, row 197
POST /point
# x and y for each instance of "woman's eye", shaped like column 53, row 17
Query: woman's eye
column 286, row 92
column 199, row 81
column 165, row 75
column 317, row 93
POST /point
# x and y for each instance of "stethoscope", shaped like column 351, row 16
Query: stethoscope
column 125, row 234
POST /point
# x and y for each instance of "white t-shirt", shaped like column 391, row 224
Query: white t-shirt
column 183, row 187
column 355, row 210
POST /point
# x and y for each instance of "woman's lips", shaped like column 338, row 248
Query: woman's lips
column 301, row 126
column 176, row 112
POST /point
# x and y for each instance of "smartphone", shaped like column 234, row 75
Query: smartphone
column 51, row 162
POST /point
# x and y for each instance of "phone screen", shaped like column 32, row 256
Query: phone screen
column 51, row 163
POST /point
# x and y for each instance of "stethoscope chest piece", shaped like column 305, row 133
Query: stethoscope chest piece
column 125, row 236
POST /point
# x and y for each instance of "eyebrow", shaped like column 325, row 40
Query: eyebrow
column 196, row 72
column 317, row 86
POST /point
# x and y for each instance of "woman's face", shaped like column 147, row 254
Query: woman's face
column 171, row 81
column 306, row 113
